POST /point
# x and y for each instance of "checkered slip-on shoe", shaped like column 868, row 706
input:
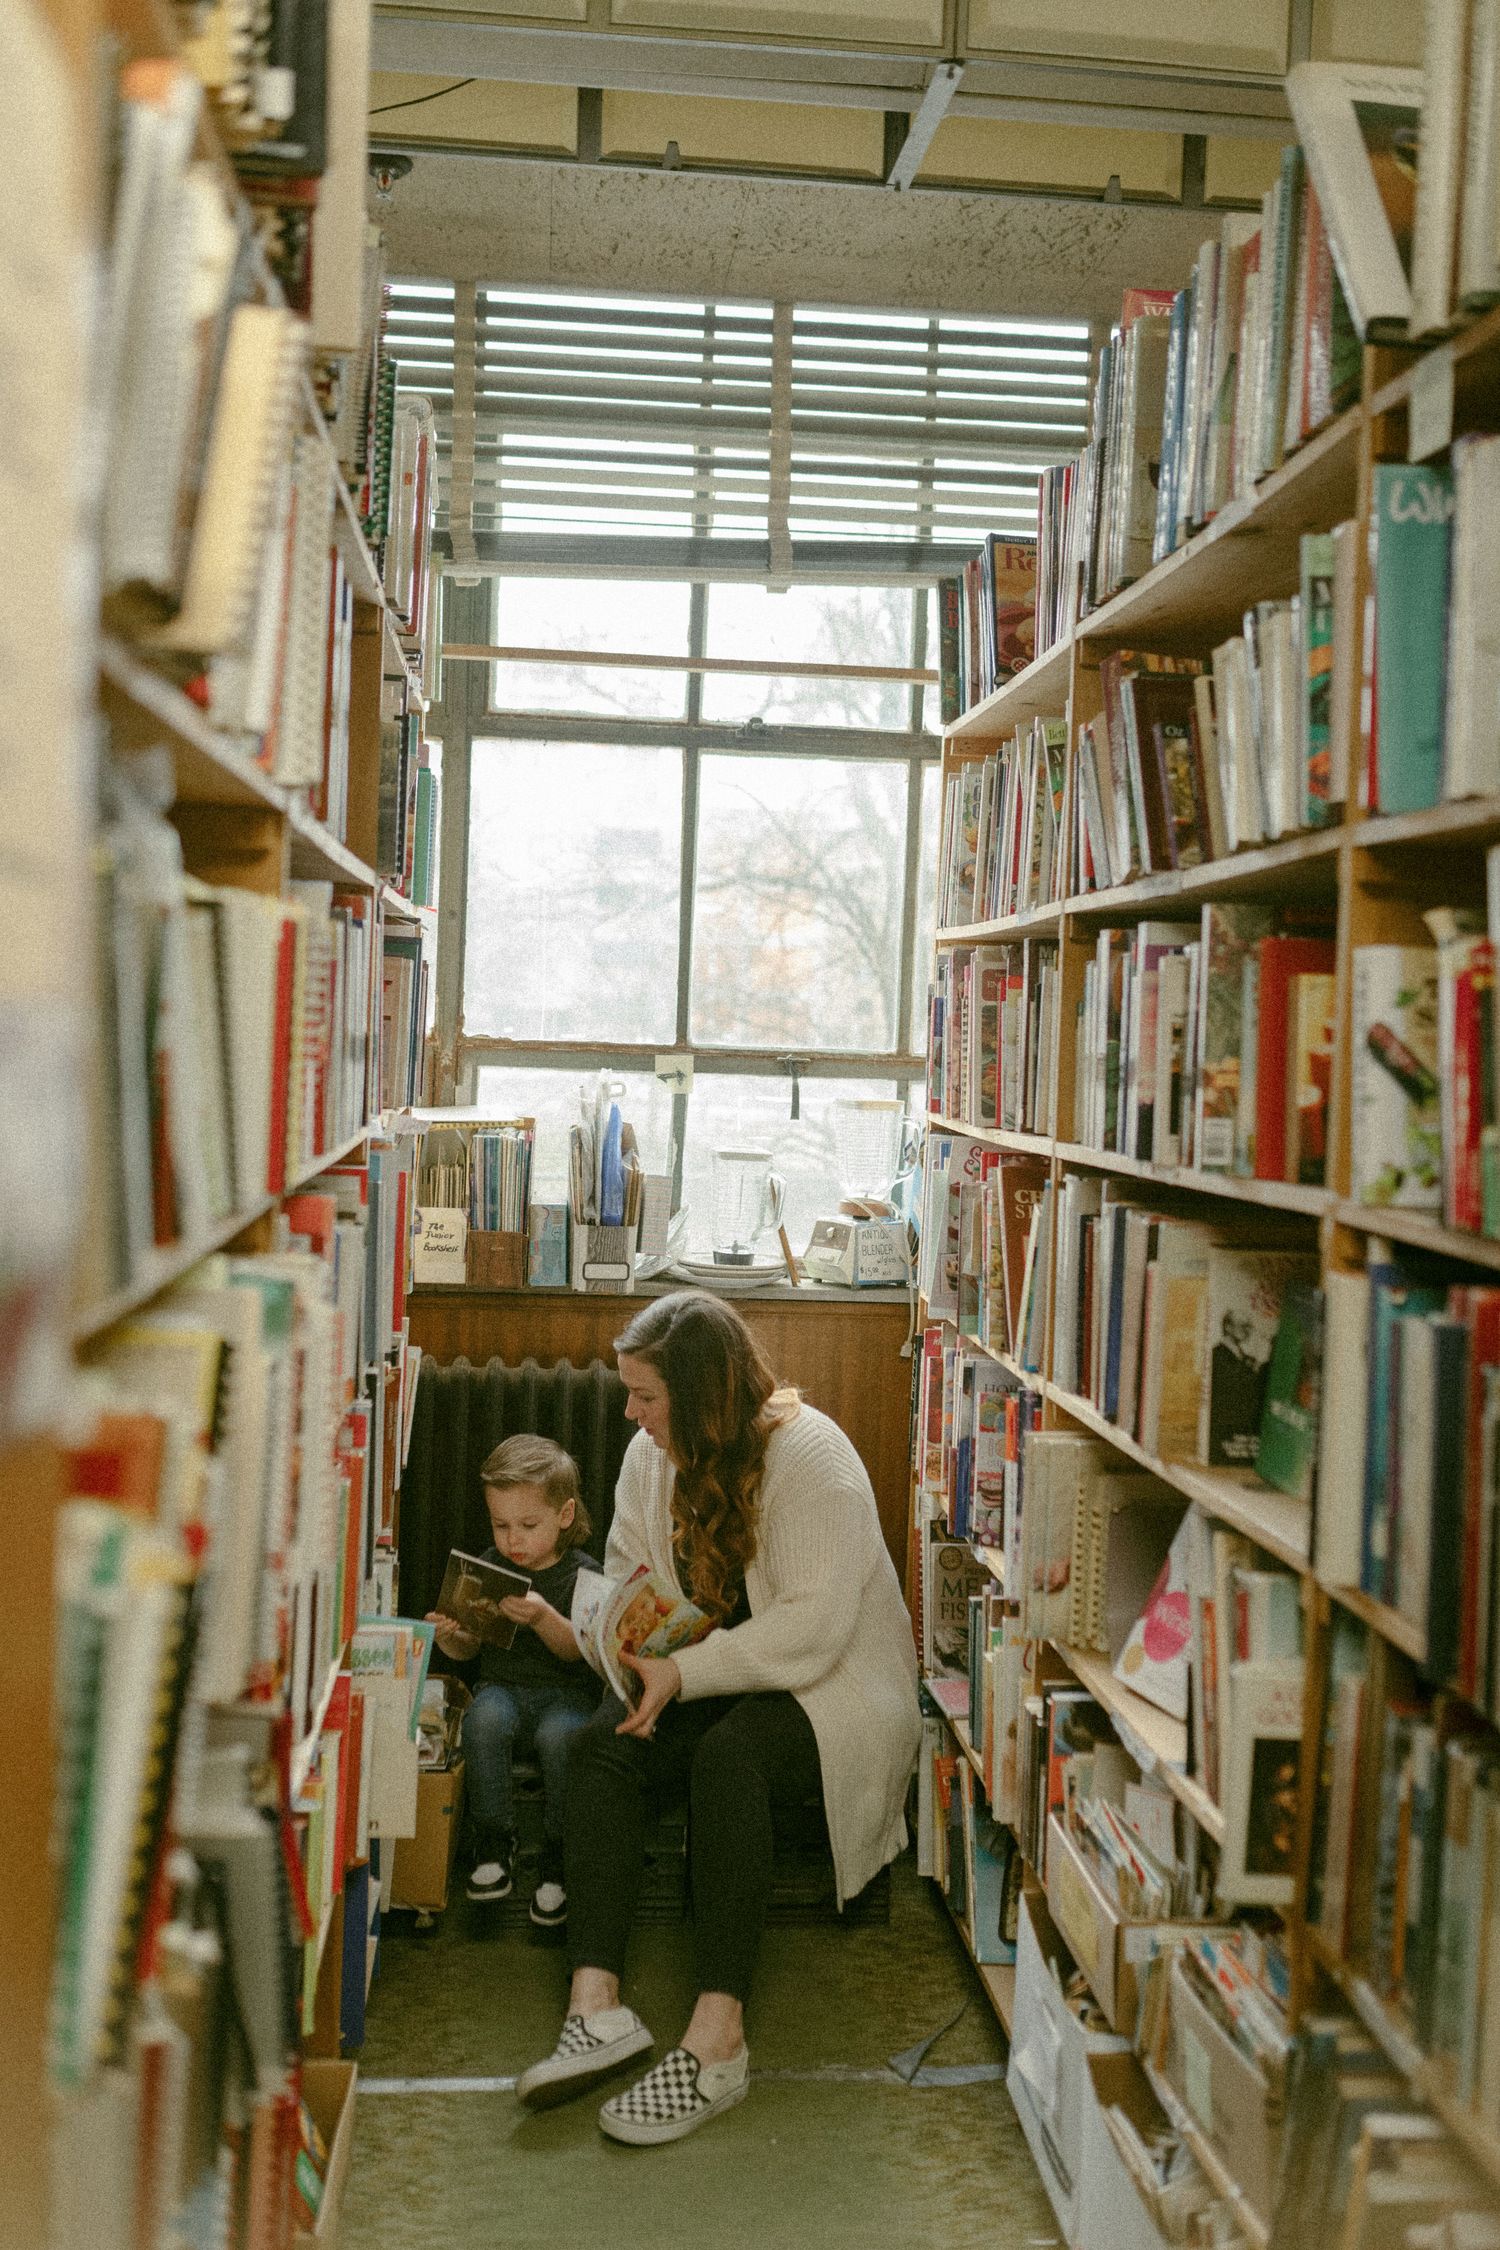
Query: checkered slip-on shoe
column 589, row 2048
column 675, row 2098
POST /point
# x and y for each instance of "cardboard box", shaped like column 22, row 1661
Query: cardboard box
column 1225, row 2094
column 1050, row 2047
column 328, row 2090
column 424, row 1862
column 1114, row 2212
column 1107, row 1947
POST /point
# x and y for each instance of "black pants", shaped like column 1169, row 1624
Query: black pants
column 734, row 1757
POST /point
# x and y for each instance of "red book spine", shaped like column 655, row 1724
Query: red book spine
column 1281, row 959
column 1480, row 1308
column 1463, row 1193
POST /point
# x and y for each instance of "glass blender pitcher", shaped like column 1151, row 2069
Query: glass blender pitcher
column 748, row 1198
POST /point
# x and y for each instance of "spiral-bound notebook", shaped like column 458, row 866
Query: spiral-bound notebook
column 259, row 397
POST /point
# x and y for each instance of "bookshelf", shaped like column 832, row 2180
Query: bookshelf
column 236, row 811
column 1371, row 874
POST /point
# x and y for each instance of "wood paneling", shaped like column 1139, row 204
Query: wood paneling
column 844, row 1354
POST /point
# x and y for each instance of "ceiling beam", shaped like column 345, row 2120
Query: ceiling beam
column 925, row 120
column 431, row 43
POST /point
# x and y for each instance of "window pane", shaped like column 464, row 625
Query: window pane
column 550, row 1095
column 932, row 787
column 809, row 625
column 797, row 917
column 635, row 616
column 734, row 1112
column 574, row 875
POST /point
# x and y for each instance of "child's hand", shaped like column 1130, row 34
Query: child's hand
column 451, row 1637
column 524, row 1609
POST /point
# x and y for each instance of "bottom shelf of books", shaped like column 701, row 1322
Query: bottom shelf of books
column 1234, row 1848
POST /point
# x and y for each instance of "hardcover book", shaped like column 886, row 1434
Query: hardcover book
column 471, row 1594
column 1396, row 1153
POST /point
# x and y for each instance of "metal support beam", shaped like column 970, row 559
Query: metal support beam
column 926, row 118
column 689, row 734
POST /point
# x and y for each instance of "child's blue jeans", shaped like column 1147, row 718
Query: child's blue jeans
column 502, row 1721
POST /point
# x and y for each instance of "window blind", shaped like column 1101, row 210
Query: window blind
column 745, row 435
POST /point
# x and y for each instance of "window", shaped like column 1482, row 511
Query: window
column 723, row 867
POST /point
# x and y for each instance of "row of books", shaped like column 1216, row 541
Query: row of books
column 1166, row 1324
column 1000, row 848
column 1200, row 393
column 978, row 1239
column 225, row 1555
column 1209, row 1044
column 406, row 850
column 985, row 623
column 241, row 1041
column 405, row 1009
column 1407, row 1495
column 992, row 1032
column 1404, row 1863
column 485, row 1172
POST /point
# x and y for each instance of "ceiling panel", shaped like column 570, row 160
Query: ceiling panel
column 1217, row 35
column 896, row 23
column 779, row 135
column 488, row 111
column 1043, row 156
column 1240, row 171
column 1377, row 31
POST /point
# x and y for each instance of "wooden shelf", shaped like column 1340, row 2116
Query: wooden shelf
column 1280, row 1525
column 1033, row 921
column 1382, row 1619
column 1469, row 821
column 148, row 709
column 1275, row 1195
column 1420, row 1230
column 994, row 1136
column 1041, row 691
column 1250, row 551
column 401, row 908
column 1468, row 349
column 306, row 1750
column 168, row 1266
column 992, row 1558
column 318, row 854
column 1011, row 1365
column 1307, row 861
column 1145, row 1729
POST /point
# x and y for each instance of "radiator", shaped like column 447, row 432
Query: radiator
column 461, row 1414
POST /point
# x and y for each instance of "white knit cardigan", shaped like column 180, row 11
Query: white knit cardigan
column 827, row 1623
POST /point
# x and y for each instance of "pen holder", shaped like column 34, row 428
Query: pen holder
column 496, row 1261
column 603, row 1260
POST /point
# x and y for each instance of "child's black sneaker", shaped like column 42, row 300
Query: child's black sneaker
column 492, row 1879
column 549, row 1906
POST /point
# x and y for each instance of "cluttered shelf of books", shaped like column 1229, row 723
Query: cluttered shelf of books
column 1212, row 1351
column 240, row 1702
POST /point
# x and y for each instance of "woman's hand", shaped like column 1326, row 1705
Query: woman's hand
column 660, row 1681
column 451, row 1637
column 524, row 1609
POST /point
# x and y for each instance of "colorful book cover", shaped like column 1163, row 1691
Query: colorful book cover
column 1396, row 1154
column 1286, row 1457
column 1242, row 1312
column 1262, row 1777
column 1154, row 1660
column 1323, row 786
column 1281, row 959
column 1309, row 1076
column 1412, row 515
column 1011, row 575
column 1229, row 934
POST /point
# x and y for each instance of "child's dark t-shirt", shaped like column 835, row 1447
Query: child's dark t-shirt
column 528, row 1662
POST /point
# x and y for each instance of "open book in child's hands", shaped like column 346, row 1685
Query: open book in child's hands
column 634, row 1616
column 472, row 1592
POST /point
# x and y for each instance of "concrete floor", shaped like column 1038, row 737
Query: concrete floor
column 811, row 2161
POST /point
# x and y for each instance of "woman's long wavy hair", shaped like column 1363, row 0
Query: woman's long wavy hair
column 724, row 1404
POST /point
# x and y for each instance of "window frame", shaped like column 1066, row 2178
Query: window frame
column 465, row 712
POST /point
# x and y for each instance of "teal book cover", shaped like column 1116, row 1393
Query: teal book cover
column 1414, row 513
column 1322, row 788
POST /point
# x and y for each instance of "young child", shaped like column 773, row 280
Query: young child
column 539, row 1691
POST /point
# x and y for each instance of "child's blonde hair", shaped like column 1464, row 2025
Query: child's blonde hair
column 537, row 1460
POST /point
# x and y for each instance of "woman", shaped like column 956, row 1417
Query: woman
column 758, row 1508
